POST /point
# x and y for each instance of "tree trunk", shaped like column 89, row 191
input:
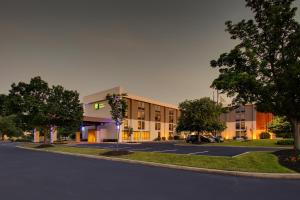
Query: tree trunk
column 45, row 135
column 296, row 132
column 2, row 136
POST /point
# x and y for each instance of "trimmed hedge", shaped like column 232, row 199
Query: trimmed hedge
column 285, row 142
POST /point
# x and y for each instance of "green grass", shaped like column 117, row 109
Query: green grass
column 249, row 143
column 252, row 162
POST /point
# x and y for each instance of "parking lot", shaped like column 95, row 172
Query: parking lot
column 180, row 149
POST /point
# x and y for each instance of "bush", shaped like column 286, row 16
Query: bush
column 23, row 140
column 285, row 142
column 157, row 139
column 163, row 138
column 177, row 137
column 170, row 138
column 265, row 135
column 110, row 140
column 60, row 142
column 284, row 135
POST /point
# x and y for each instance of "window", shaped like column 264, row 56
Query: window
column 157, row 116
column 157, row 126
column 141, row 105
column 243, row 125
column 240, row 109
column 141, row 115
column 171, row 116
column 171, row 127
column 125, row 135
column 143, row 135
column 141, row 125
column 126, row 124
column 157, row 108
column 238, row 125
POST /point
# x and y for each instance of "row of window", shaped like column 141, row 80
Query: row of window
column 143, row 135
column 141, row 125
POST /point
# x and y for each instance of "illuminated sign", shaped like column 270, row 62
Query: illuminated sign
column 99, row 106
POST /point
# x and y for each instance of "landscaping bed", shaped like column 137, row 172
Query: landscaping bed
column 264, row 162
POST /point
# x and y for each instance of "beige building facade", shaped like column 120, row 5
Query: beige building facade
column 245, row 121
column 146, row 119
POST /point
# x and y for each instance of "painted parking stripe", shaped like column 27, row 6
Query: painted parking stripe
column 195, row 153
column 240, row 154
column 168, row 150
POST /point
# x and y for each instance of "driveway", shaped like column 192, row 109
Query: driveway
column 31, row 175
column 174, row 148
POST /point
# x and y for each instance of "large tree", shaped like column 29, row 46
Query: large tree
column 264, row 67
column 38, row 106
column 201, row 116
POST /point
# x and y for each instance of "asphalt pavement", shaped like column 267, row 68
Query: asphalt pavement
column 31, row 175
column 169, row 147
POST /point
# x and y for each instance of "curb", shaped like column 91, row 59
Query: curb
column 291, row 176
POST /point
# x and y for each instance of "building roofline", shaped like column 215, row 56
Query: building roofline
column 92, row 98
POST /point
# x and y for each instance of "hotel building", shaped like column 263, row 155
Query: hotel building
column 146, row 119
column 245, row 121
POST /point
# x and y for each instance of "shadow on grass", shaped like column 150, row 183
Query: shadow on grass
column 44, row 146
column 116, row 153
column 289, row 158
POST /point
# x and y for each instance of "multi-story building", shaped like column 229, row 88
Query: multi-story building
column 245, row 121
column 146, row 119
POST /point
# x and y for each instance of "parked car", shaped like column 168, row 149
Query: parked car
column 201, row 138
column 218, row 139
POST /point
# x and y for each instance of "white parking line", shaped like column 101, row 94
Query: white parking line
column 240, row 154
column 195, row 153
column 168, row 150
column 140, row 149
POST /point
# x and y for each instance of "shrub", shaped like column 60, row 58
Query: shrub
column 177, row 137
column 60, row 142
column 163, row 138
column 110, row 140
column 170, row 137
column 157, row 139
column 23, row 140
column 285, row 142
column 265, row 135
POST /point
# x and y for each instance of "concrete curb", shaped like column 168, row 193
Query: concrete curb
column 291, row 176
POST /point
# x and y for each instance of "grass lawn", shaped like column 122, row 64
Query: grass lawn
column 249, row 143
column 252, row 162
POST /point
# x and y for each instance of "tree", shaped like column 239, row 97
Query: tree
column 8, row 127
column 38, row 106
column 3, row 99
column 118, row 106
column 201, row 116
column 264, row 67
column 281, row 127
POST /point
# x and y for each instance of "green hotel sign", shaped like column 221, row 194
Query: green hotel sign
column 98, row 106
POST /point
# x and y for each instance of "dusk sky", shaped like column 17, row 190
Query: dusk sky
column 159, row 49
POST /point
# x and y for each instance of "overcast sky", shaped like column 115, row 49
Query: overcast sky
column 159, row 49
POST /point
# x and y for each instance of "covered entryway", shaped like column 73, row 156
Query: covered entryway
column 91, row 136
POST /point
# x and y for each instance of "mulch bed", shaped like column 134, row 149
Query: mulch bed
column 289, row 158
column 44, row 146
column 116, row 153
